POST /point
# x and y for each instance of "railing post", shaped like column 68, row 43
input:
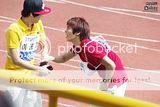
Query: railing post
column 53, row 101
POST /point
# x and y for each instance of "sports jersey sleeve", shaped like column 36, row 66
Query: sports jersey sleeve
column 12, row 39
column 96, row 51
column 43, row 36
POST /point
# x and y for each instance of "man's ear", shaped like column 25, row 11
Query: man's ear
column 31, row 15
column 78, row 33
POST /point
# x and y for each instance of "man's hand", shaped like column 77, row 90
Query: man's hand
column 103, row 86
column 44, row 69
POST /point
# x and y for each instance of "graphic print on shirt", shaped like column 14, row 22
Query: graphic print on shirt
column 28, row 47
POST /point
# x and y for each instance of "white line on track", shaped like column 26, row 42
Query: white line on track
column 56, row 1
column 132, row 38
column 56, row 29
column 151, row 84
column 8, row 18
column 1, row 50
column 109, row 10
column 135, row 45
column 8, row 21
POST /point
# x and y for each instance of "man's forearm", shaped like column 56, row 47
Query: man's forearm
column 106, row 79
column 26, row 65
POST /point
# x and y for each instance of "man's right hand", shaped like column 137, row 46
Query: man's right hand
column 43, row 70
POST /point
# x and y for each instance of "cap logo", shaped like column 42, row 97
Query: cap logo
column 43, row 5
column 46, row 10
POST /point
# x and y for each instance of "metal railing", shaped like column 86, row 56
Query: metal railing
column 56, row 89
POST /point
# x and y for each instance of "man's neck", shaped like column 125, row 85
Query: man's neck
column 27, row 22
column 76, row 42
